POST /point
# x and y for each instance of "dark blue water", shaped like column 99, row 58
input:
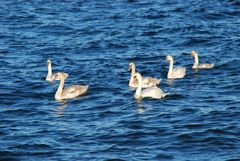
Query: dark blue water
column 94, row 41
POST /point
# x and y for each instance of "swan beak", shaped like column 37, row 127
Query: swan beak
column 48, row 61
column 192, row 54
column 55, row 77
column 129, row 68
column 66, row 75
column 135, row 76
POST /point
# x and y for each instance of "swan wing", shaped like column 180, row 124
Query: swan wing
column 153, row 92
column 74, row 91
column 179, row 72
column 205, row 66
column 149, row 82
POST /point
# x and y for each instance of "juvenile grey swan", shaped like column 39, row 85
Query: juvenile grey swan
column 50, row 77
column 196, row 64
column 146, row 81
column 151, row 92
column 69, row 92
column 178, row 72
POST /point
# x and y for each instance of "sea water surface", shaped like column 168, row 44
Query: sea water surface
column 94, row 41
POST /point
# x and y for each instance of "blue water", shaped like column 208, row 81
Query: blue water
column 94, row 41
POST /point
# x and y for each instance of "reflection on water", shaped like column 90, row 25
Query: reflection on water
column 140, row 107
column 141, row 110
column 195, row 71
column 60, row 109
column 170, row 82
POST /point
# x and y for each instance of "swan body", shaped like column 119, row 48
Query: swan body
column 196, row 64
column 146, row 81
column 69, row 92
column 178, row 72
column 151, row 92
column 50, row 77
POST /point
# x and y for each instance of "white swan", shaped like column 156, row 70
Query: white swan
column 151, row 92
column 50, row 77
column 146, row 81
column 69, row 92
column 196, row 64
column 178, row 72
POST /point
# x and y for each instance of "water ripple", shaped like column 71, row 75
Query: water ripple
column 94, row 41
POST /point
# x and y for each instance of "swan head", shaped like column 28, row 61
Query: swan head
column 60, row 76
column 131, row 65
column 194, row 53
column 49, row 62
column 169, row 58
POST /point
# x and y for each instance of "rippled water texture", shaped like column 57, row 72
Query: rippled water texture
column 94, row 41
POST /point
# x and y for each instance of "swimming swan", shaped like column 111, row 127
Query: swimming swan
column 146, row 81
column 196, row 64
column 50, row 76
column 178, row 72
column 69, row 92
column 151, row 92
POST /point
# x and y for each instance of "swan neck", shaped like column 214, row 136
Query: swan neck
column 132, row 74
column 49, row 69
column 139, row 88
column 196, row 61
column 133, row 70
column 58, row 94
column 170, row 66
